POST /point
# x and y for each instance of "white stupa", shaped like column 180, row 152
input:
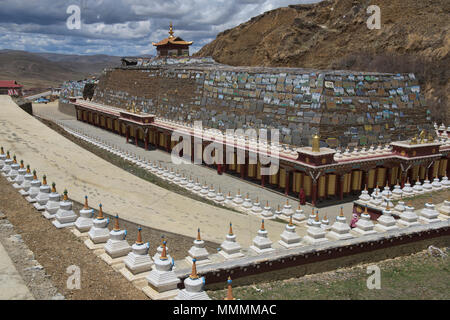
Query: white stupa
column 298, row 215
column 386, row 221
column 20, row 178
column 193, row 286
column 52, row 205
column 325, row 224
column 312, row 217
column 138, row 262
column 211, row 193
column 65, row 217
column 287, row 210
column 230, row 248
column 364, row 196
column 34, row 189
column 340, row 230
column 256, row 208
column 289, row 238
column 219, row 198
column 197, row 187
column 43, row 195
column 198, row 251
column 2, row 157
column 278, row 211
column 427, row 186
column 445, row 182
column 117, row 247
column 400, row 207
column 99, row 233
column 247, row 204
column 12, row 174
column 229, row 199
column 364, row 226
column 377, row 199
column 418, row 189
column 261, row 243
column 429, row 214
column 436, row 184
column 85, row 221
column 205, row 190
column 408, row 218
column 315, row 234
column 190, row 185
column 267, row 211
column 407, row 190
column 26, row 184
column 387, row 193
column 6, row 165
column 376, row 191
column 162, row 281
column 445, row 208
column 397, row 193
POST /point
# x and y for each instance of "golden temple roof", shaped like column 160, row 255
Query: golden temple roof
column 172, row 40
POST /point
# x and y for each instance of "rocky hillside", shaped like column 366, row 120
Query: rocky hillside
column 414, row 37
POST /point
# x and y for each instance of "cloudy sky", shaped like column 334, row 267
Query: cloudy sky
column 121, row 27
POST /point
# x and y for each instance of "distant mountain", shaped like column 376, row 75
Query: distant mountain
column 43, row 70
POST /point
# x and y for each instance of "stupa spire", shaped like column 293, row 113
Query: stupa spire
column 194, row 274
column 139, row 237
column 116, row 223
column 229, row 290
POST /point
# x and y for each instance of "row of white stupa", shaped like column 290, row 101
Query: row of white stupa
column 115, row 249
column 236, row 202
column 381, row 199
column 158, row 271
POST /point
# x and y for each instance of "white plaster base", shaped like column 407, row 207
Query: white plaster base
column 94, row 246
column 230, row 256
column 155, row 295
column 112, row 261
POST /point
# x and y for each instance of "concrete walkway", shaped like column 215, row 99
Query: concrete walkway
column 134, row 199
column 225, row 182
column 12, row 286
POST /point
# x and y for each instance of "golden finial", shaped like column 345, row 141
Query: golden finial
column 342, row 211
column 86, row 203
column 262, row 225
column 387, row 207
column 14, row 159
column 139, row 237
column 194, row 274
column 34, row 175
column 287, row 201
column 239, row 191
column 317, row 217
column 44, row 180
column 65, row 198
column 54, row 187
column 410, row 204
column 316, row 143
column 290, row 221
column 325, row 218
column 171, row 31
column 116, row 223
column 199, row 238
column 164, row 252
column 21, row 164
column 422, row 136
column 230, row 232
column 229, row 291
column 365, row 209
column 28, row 169
column 430, row 200
column 8, row 156
column 430, row 138
column 100, row 212
column 413, row 140
column 2, row 151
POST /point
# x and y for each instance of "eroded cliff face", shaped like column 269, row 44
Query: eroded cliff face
column 414, row 37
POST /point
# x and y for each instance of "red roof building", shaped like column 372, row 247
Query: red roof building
column 172, row 46
column 10, row 87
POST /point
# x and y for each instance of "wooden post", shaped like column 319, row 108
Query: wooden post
column 286, row 189
column 146, row 137
column 314, row 192
column 341, row 186
column 127, row 133
column 136, row 131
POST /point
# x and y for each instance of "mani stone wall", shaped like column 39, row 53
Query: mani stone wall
column 346, row 108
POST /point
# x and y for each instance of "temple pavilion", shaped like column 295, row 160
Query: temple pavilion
column 172, row 46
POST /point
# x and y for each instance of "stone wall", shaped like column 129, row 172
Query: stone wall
column 346, row 108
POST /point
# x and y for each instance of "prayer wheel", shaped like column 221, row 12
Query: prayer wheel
column 322, row 181
column 252, row 170
column 422, row 172
column 394, row 176
column 356, row 180
column 282, row 183
column 443, row 167
column 273, row 179
column 435, row 169
column 297, row 181
column 331, row 184
column 415, row 172
column 307, row 183
column 381, row 178
column 371, row 180
column 258, row 171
